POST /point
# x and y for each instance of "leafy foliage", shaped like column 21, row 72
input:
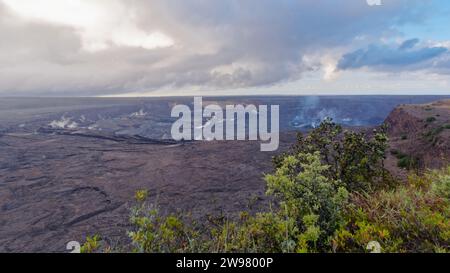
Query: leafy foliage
column 355, row 159
column 92, row 244
column 309, row 193
column 156, row 234
column 412, row 218
column 308, row 213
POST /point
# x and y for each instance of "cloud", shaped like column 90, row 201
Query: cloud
column 386, row 57
column 83, row 48
column 408, row 44
column 99, row 24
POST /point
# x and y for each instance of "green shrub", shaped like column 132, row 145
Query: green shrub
column 309, row 211
column 92, row 244
column 352, row 157
column 430, row 119
column 154, row 233
column 268, row 232
column 408, row 219
column 141, row 195
column 441, row 183
column 408, row 162
column 309, row 193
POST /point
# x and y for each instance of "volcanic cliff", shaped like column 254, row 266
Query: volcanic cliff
column 419, row 137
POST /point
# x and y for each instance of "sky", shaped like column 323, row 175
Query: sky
column 231, row 47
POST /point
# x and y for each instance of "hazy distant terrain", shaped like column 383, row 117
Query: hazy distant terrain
column 150, row 117
column 70, row 167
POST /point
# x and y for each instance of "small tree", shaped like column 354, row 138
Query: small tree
column 353, row 157
column 313, row 200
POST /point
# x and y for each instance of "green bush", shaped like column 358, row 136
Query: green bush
column 408, row 162
column 352, row 157
column 154, row 233
column 267, row 232
column 92, row 244
column 408, row 219
column 309, row 193
column 441, row 183
column 308, row 213
column 431, row 119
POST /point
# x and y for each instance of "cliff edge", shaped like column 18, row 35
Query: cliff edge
column 419, row 137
